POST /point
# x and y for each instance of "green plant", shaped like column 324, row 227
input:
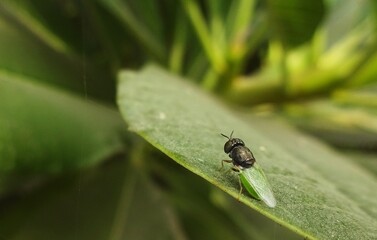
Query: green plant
column 70, row 169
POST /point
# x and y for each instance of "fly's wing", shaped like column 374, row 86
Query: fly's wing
column 257, row 185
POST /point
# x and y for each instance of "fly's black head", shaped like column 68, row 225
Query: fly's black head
column 231, row 143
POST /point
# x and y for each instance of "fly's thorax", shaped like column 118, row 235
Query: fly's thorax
column 232, row 143
column 242, row 157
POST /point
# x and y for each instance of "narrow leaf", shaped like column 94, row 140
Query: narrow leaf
column 294, row 21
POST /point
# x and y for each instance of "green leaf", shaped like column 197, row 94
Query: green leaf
column 319, row 193
column 69, row 208
column 209, row 213
column 347, row 125
column 145, row 27
column 30, row 49
column 366, row 159
column 294, row 21
column 46, row 130
column 351, row 14
column 65, row 207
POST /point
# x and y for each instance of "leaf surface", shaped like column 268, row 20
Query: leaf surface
column 44, row 130
column 293, row 21
column 319, row 193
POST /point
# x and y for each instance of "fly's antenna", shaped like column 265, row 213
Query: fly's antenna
column 225, row 136
column 231, row 134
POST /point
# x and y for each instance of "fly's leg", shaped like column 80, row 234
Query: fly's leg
column 236, row 169
column 222, row 163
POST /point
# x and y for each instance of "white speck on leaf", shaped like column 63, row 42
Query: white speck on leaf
column 161, row 115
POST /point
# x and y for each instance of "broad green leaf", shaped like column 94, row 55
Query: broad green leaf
column 206, row 212
column 44, row 130
column 319, row 193
column 67, row 208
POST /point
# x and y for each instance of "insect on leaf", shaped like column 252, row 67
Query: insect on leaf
column 320, row 193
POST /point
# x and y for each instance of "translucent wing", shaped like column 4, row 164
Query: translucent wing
column 257, row 185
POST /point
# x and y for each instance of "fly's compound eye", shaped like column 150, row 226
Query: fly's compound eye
column 228, row 146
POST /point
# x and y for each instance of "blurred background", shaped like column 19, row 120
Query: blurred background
column 69, row 169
